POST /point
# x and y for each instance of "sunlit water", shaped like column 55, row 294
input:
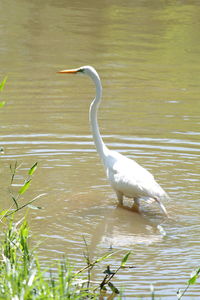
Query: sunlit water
column 147, row 54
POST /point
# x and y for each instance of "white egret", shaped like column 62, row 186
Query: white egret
column 126, row 177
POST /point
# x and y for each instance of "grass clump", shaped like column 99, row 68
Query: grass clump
column 17, row 265
column 21, row 274
column 22, row 277
column 16, row 196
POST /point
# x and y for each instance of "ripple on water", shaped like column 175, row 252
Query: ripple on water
column 44, row 145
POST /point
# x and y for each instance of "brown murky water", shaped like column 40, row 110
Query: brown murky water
column 147, row 54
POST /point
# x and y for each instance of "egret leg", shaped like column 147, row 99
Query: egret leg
column 136, row 205
column 120, row 197
column 161, row 206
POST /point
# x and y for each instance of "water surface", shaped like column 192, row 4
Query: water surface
column 147, row 55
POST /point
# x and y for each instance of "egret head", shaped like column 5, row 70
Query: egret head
column 85, row 70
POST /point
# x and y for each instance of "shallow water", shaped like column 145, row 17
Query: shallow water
column 147, row 55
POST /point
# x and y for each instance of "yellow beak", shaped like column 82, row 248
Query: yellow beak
column 68, row 71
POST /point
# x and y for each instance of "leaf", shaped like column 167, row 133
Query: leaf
column 13, row 171
column 32, row 169
column 3, row 83
column 24, row 187
column 125, row 258
column 32, row 277
column 40, row 195
column 4, row 212
column 105, row 256
column 194, row 277
column 113, row 288
column 2, row 103
column 15, row 201
column 108, row 271
column 33, row 206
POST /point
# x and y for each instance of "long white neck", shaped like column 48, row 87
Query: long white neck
column 100, row 146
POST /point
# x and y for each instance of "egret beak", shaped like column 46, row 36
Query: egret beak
column 68, row 71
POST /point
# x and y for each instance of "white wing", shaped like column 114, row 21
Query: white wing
column 129, row 178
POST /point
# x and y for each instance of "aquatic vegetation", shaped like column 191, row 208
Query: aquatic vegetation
column 194, row 276
column 22, row 276
column 17, row 204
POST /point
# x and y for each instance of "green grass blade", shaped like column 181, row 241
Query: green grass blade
column 4, row 212
column 3, row 83
column 113, row 288
column 125, row 258
column 105, row 256
column 32, row 169
column 25, row 187
column 15, row 201
column 194, row 278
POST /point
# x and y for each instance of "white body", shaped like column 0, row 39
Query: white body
column 126, row 177
column 130, row 179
